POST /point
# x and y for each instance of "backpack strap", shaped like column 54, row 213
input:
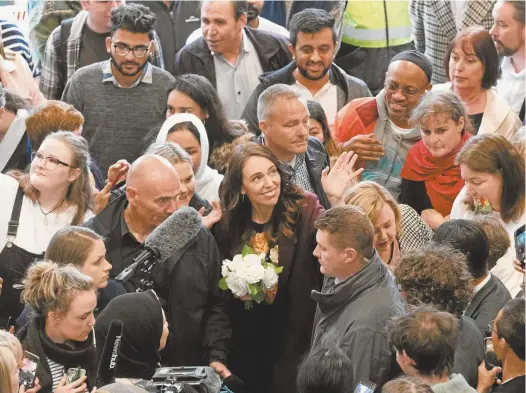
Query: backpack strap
column 65, row 30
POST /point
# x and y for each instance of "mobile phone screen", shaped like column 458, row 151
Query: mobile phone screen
column 365, row 386
column 29, row 370
column 520, row 243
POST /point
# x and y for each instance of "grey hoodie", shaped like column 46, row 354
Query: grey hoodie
column 456, row 384
column 353, row 314
column 387, row 170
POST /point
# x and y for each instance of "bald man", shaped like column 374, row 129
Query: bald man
column 186, row 283
column 378, row 129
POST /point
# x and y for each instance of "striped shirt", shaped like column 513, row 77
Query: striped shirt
column 14, row 40
column 57, row 372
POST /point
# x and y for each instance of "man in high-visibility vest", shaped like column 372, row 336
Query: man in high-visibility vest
column 372, row 33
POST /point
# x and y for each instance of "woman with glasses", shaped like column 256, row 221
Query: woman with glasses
column 54, row 193
column 472, row 65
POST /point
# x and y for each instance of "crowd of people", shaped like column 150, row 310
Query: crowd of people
column 394, row 221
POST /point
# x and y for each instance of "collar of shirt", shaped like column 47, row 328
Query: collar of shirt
column 481, row 285
column 507, row 68
column 124, row 226
column 292, row 163
column 324, row 89
column 107, row 75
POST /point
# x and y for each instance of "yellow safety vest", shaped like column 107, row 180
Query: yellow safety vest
column 364, row 23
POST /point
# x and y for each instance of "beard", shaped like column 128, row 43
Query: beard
column 252, row 12
column 305, row 73
column 504, row 50
column 119, row 67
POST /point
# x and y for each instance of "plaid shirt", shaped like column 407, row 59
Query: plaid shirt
column 52, row 80
column 107, row 75
column 415, row 233
column 300, row 173
column 433, row 28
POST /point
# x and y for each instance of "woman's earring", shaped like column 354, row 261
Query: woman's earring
column 242, row 197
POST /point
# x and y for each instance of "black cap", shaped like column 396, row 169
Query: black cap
column 417, row 58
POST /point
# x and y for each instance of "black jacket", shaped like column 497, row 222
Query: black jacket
column 34, row 340
column 317, row 160
column 187, row 284
column 196, row 58
column 349, row 88
column 487, row 303
column 352, row 316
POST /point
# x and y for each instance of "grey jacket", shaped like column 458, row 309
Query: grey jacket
column 487, row 303
column 349, row 88
column 353, row 314
column 456, row 384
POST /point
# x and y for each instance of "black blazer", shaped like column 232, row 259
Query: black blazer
column 487, row 303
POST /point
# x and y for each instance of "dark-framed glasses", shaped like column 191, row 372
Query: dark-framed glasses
column 47, row 162
column 392, row 87
column 138, row 51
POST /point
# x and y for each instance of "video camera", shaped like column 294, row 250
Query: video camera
column 175, row 380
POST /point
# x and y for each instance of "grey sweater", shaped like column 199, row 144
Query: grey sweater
column 456, row 384
column 116, row 119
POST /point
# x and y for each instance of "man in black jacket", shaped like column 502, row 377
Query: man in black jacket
column 284, row 119
column 312, row 73
column 236, row 53
column 187, row 281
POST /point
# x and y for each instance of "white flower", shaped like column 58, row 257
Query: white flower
column 251, row 269
column 224, row 270
column 270, row 277
column 237, row 285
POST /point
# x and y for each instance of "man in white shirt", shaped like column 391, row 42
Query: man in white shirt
column 253, row 20
column 508, row 34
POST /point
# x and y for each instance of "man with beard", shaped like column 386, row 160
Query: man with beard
column 121, row 98
column 312, row 73
column 508, row 34
column 253, row 20
column 378, row 129
column 230, row 55
column 78, row 42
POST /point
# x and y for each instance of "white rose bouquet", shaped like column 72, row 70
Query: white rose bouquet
column 249, row 276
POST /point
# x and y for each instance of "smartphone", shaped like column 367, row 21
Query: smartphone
column 28, row 372
column 520, row 242
column 74, row 374
column 365, row 386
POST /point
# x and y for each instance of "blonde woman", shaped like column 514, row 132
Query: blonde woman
column 61, row 331
column 8, row 371
column 397, row 227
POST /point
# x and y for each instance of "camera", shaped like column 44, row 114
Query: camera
column 174, row 379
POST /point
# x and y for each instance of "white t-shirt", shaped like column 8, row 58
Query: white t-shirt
column 399, row 131
column 33, row 233
column 504, row 269
column 511, row 85
column 327, row 97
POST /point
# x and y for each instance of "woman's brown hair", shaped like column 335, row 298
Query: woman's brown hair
column 80, row 191
column 491, row 153
column 71, row 245
column 50, row 287
column 477, row 40
column 51, row 117
column 237, row 210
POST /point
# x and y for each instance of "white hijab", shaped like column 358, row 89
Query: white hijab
column 207, row 180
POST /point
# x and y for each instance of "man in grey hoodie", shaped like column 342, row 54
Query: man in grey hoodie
column 425, row 340
column 358, row 295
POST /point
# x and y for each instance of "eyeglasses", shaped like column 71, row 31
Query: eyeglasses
column 138, row 51
column 48, row 162
column 490, row 327
column 408, row 92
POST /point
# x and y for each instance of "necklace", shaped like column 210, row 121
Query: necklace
column 49, row 212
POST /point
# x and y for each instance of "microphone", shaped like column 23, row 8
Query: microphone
column 169, row 237
column 491, row 360
column 110, row 354
column 232, row 384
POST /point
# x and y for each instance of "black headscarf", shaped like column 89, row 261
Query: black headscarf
column 142, row 319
